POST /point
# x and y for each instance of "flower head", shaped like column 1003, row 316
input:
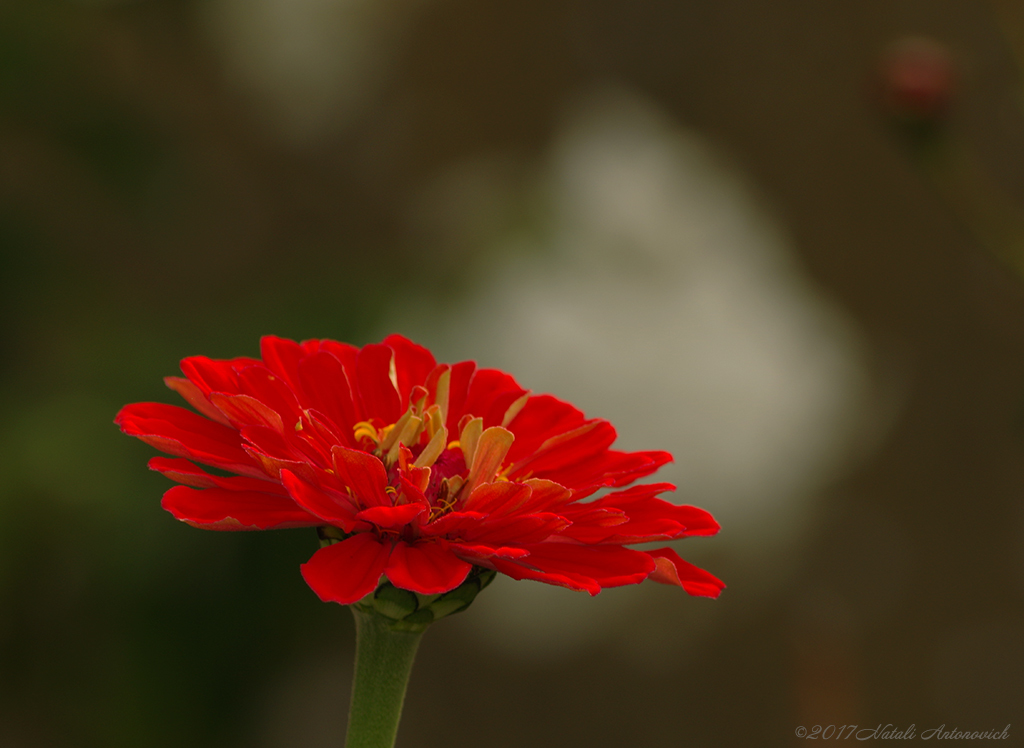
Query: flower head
column 417, row 471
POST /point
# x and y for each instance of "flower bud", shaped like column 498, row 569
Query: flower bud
column 916, row 81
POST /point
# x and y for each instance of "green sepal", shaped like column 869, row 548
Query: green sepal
column 393, row 602
column 422, row 617
column 329, row 535
column 402, row 610
column 426, row 600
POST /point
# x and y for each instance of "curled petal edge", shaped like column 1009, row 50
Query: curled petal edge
column 673, row 570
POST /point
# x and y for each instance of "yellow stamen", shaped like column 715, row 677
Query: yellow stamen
column 386, row 431
column 410, row 429
column 417, row 398
column 469, row 437
column 365, row 430
column 454, row 485
column 444, row 508
column 391, row 434
column 441, row 393
column 493, row 445
column 433, row 449
column 432, row 420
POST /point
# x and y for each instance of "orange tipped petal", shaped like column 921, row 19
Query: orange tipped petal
column 491, row 448
column 671, row 569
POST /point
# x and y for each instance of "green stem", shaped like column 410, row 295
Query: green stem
column 383, row 663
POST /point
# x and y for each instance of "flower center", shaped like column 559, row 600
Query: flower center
column 416, row 453
column 421, row 429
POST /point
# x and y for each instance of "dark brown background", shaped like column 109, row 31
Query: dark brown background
column 150, row 210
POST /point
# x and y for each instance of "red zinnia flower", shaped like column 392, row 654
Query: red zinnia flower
column 414, row 470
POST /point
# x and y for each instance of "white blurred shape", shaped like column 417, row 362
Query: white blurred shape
column 310, row 63
column 667, row 301
column 664, row 298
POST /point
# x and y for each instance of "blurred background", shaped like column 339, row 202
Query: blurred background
column 783, row 240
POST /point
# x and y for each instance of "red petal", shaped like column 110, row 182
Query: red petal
column 183, row 433
column 650, row 518
column 282, row 357
column 584, row 514
column 218, row 509
column 190, row 474
column 547, row 496
column 495, row 413
column 572, row 581
column 274, row 453
column 609, row 566
column 324, row 432
column 412, row 492
column 328, row 390
column 376, row 390
column 348, row 571
column 488, row 551
column 671, row 569
column 569, row 449
column 647, row 510
column 345, row 353
column 432, row 380
column 215, row 375
column 427, row 567
column 413, row 363
column 612, row 468
column 634, row 494
column 328, row 505
column 195, row 397
column 541, row 418
column 453, row 522
column 501, row 498
column 490, row 393
column 391, row 516
column 517, row 529
column 243, row 410
column 623, row 534
column 364, row 474
column 458, row 389
column 259, row 382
